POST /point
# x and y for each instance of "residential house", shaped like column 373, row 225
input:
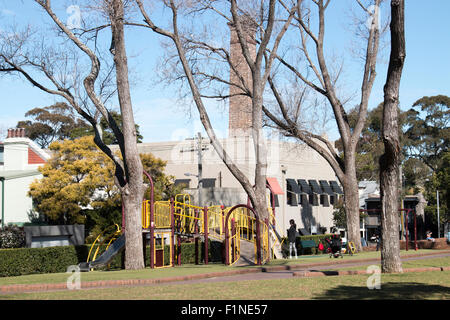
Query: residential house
column 20, row 159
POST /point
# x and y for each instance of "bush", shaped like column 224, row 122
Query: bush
column 12, row 237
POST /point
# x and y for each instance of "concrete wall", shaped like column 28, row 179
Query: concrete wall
column 16, row 154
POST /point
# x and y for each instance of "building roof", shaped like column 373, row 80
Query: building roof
column 367, row 189
column 15, row 174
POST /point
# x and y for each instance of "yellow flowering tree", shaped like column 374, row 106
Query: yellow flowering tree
column 78, row 185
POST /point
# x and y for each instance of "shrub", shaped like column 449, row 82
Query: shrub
column 12, row 237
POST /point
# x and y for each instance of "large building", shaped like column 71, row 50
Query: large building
column 304, row 184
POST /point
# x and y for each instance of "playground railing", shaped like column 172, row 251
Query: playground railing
column 188, row 216
column 216, row 222
column 162, row 214
column 235, row 243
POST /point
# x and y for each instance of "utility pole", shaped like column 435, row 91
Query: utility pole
column 439, row 227
column 402, row 222
column 199, row 176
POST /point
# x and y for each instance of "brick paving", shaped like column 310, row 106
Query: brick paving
column 262, row 273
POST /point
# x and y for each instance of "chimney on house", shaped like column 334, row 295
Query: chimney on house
column 16, row 133
column 240, row 106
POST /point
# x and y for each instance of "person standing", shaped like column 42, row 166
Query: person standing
column 379, row 238
column 292, row 236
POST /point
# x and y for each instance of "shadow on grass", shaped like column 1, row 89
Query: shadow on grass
column 388, row 291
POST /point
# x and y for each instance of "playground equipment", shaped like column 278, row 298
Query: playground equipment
column 166, row 223
column 350, row 248
column 115, row 243
column 405, row 213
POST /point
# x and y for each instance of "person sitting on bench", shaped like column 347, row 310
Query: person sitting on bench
column 429, row 238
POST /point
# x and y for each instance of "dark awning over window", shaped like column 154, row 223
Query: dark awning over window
column 293, row 186
column 326, row 187
column 315, row 186
column 304, row 186
column 336, row 188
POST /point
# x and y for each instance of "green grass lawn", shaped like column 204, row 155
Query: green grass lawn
column 183, row 270
column 425, row 285
column 117, row 274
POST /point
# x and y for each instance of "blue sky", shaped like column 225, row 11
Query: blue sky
column 426, row 70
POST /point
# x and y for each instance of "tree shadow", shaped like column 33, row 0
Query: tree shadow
column 388, row 291
column 307, row 216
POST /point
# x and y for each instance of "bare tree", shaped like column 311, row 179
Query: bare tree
column 59, row 73
column 390, row 160
column 255, row 25
column 324, row 83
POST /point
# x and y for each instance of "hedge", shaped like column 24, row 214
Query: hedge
column 317, row 239
column 23, row 261
column 188, row 252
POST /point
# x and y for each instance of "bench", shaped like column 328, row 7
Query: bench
column 305, row 244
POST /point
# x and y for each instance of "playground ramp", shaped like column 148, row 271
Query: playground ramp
column 277, row 242
column 106, row 257
column 246, row 254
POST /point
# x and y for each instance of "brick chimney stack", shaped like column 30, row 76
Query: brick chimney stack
column 240, row 106
column 16, row 133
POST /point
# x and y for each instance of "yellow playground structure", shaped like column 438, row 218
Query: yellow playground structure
column 167, row 220
column 166, row 223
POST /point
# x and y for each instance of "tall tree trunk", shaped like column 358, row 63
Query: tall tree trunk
column 133, row 188
column 260, row 203
column 351, row 201
column 389, row 161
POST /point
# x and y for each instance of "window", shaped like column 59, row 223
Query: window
column 272, row 199
column 324, row 200
column 313, row 199
column 208, row 182
column 184, row 182
column 2, row 152
column 292, row 191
